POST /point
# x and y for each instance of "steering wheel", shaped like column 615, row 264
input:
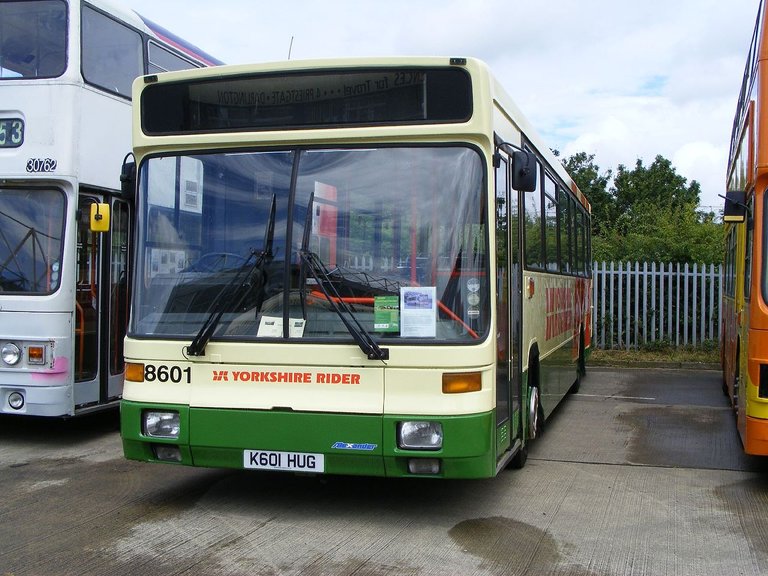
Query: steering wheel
column 217, row 262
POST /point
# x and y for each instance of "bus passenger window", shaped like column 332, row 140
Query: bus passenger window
column 34, row 39
column 112, row 53
column 534, row 227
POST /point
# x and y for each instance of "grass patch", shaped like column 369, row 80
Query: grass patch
column 658, row 352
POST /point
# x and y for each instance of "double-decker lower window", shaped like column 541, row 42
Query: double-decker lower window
column 31, row 228
column 290, row 243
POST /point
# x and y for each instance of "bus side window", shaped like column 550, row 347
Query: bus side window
column 112, row 53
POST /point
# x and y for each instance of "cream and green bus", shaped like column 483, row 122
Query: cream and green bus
column 359, row 266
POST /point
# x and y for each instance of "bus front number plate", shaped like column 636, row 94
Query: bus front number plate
column 288, row 461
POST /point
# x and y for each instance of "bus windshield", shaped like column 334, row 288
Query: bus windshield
column 31, row 225
column 303, row 243
column 33, row 39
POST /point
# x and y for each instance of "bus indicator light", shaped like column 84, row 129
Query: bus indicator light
column 458, row 383
column 134, row 372
column 36, row 355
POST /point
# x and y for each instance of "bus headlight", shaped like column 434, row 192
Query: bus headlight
column 16, row 400
column 161, row 424
column 10, row 353
column 420, row 435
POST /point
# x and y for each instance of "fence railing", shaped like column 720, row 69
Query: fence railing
column 636, row 304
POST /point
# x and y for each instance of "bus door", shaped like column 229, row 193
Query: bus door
column 508, row 302
column 118, row 277
column 87, row 307
column 100, row 304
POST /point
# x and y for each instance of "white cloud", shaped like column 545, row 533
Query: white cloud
column 703, row 161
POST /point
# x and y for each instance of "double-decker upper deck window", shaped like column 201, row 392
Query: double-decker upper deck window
column 308, row 99
column 112, row 53
column 163, row 60
column 33, row 39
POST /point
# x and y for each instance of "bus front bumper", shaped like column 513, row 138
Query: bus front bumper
column 344, row 444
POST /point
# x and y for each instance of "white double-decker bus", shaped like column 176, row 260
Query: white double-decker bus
column 66, row 69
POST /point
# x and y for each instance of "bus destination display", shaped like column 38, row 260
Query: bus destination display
column 302, row 100
column 11, row 132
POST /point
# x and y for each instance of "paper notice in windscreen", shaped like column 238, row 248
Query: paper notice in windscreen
column 418, row 312
column 272, row 327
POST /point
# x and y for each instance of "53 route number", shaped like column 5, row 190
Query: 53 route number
column 163, row 373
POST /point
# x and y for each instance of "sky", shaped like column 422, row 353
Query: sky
column 621, row 80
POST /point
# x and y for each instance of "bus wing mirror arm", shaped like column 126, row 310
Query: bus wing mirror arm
column 128, row 178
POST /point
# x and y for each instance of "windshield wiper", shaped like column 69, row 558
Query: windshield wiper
column 313, row 263
column 360, row 335
column 244, row 288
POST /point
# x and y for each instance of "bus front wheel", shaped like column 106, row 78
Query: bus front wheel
column 534, row 412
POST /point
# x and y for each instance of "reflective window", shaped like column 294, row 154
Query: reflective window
column 162, row 60
column 534, row 253
column 289, row 244
column 565, row 224
column 550, row 223
column 112, row 53
column 33, row 39
column 31, row 228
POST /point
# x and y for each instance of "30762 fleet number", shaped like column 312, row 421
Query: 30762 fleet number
column 41, row 165
column 163, row 373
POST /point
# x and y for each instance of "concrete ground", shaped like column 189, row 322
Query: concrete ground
column 641, row 473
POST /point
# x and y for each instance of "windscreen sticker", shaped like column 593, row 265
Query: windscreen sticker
column 386, row 313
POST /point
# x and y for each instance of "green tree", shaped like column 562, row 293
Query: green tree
column 646, row 213
column 657, row 185
column 662, row 234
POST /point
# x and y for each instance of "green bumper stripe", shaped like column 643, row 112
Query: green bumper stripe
column 355, row 444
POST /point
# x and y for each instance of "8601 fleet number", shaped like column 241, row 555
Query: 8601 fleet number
column 163, row 373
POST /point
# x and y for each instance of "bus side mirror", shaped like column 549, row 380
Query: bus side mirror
column 523, row 171
column 99, row 217
column 128, row 180
column 735, row 206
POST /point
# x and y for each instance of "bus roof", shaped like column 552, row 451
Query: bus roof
column 138, row 21
column 180, row 43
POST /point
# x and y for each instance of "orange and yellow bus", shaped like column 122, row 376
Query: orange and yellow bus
column 359, row 266
column 744, row 347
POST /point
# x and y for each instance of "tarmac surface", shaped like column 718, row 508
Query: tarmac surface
column 640, row 473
